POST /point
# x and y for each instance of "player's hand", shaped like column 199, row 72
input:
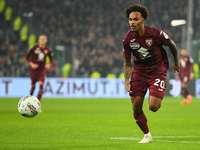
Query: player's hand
column 33, row 65
column 191, row 76
column 128, row 86
column 176, row 68
column 47, row 66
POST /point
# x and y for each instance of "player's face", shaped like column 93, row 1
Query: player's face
column 183, row 52
column 136, row 21
column 42, row 40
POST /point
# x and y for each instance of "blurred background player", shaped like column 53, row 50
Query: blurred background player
column 186, row 73
column 36, row 57
column 150, row 64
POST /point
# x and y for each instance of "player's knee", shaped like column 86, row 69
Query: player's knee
column 154, row 108
column 183, row 86
column 137, row 109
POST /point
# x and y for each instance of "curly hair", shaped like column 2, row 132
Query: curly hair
column 137, row 8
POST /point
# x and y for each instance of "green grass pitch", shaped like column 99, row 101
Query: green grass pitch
column 99, row 124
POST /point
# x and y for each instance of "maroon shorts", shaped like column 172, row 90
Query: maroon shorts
column 37, row 75
column 155, row 83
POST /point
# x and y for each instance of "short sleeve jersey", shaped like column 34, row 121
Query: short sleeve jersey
column 38, row 55
column 186, row 66
column 149, row 55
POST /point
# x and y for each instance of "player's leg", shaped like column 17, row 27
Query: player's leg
column 156, row 93
column 41, row 80
column 40, row 90
column 140, row 118
column 186, row 94
column 185, row 89
column 154, row 103
column 33, row 81
column 139, row 88
column 32, row 87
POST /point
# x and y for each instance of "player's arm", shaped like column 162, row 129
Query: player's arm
column 47, row 66
column 28, row 54
column 51, row 57
column 127, row 72
column 173, row 49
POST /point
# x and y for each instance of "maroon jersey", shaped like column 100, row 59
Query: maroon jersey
column 186, row 66
column 38, row 56
column 149, row 55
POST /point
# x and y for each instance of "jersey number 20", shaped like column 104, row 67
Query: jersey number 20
column 160, row 83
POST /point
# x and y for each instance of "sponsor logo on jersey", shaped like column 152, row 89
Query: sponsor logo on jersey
column 134, row 45
column 149, row 42
column 37, row 51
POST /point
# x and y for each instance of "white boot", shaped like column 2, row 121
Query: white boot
column 147, row 138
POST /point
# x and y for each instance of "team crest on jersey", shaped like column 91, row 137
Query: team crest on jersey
column 149, row 42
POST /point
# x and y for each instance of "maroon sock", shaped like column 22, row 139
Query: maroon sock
column 185, row 92
column 40, row 92
column 141, row 120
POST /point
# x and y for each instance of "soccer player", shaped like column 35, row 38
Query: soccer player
column 186, row 73
column 38, row 64
column 150, row 64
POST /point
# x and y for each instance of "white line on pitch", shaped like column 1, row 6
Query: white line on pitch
column 125, row 138
column 139, row 138
column 175, row 136
column 176, row 141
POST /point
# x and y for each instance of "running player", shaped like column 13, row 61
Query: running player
column 150, row 64
column 38, row 64
column 186, row 73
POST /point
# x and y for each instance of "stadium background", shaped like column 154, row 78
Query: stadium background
column 86, row 36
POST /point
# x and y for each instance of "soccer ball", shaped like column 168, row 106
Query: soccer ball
column 29, row 106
